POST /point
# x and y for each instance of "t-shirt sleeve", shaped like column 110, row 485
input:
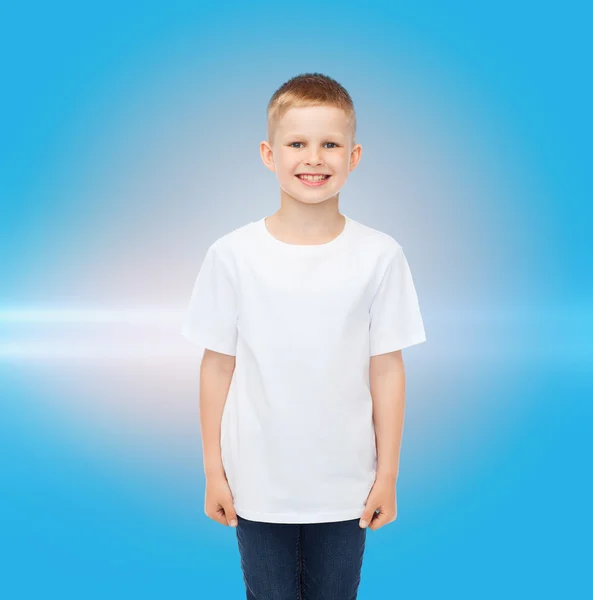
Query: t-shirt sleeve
column 211, row 319
column 395, row 319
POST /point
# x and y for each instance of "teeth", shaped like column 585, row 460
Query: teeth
column 313, row 177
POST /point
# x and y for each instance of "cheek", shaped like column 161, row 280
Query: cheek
column 286, row 164
column 338, row 163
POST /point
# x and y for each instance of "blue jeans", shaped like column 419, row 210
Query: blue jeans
column 310, row 561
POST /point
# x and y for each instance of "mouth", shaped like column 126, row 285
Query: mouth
column 313, row 181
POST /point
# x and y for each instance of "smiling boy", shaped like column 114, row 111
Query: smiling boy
column 303, row 316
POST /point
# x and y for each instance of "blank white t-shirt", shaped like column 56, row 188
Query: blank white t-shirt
column 297, row 433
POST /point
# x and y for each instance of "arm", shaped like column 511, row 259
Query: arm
column 388, row 390
column 216, row 373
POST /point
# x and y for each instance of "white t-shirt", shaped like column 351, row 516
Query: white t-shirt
column 297, row 433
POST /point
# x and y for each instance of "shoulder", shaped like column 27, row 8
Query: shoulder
column 232, row 242
column 225, row 252
column 376, row 241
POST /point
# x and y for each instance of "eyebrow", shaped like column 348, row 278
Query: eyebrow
column 303, row 135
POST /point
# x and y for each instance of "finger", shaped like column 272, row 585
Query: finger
column 230, row 514
column 379, row 520
column 367, row 516
column 219, row 516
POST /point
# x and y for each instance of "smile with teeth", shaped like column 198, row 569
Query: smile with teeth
column 313, row 177
column 313, row 180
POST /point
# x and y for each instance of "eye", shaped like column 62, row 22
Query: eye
column 293, row 143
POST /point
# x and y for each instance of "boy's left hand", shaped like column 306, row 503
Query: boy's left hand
column 382, row 497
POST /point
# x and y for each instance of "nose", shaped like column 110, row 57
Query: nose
column 314, row 159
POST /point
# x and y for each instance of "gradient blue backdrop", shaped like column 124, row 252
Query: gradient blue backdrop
column 129, row 141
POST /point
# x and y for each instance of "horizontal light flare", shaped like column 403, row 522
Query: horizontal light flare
column 102, row 333
column 87, row 350
column 486, row 315
column 92, row 315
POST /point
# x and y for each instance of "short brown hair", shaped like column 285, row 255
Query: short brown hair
column 309, row 89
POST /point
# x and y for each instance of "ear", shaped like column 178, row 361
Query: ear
column 355, row 155
column 267, row 155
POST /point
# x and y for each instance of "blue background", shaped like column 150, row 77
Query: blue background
column 129, row 137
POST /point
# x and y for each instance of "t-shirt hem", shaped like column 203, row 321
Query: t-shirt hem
column 292, row 517
column 206, row 342
column 383, row 348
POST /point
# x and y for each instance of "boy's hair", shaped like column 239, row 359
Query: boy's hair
column 309, row 89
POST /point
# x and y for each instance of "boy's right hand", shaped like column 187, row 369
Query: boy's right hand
column 218, row 504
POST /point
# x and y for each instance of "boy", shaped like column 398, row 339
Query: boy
column 303, row 316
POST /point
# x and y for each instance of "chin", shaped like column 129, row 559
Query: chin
column 319, row 200
column 310, row 196
column 313, row 201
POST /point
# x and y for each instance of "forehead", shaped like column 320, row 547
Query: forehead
column 314, row 120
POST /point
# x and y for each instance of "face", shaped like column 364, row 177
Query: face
column 315, row 140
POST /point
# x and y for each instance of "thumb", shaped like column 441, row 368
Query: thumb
column 367, row 514
column 230, row 514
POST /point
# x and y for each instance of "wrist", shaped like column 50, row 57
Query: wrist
column 387, row 476
column 214, row 472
